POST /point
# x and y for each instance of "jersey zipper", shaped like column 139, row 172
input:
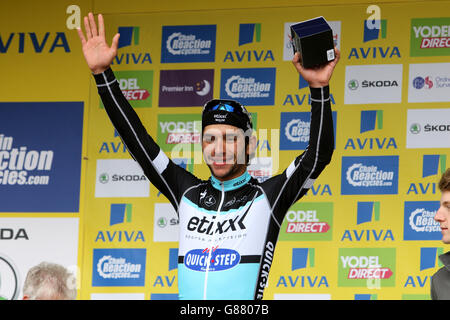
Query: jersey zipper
column 213, row 240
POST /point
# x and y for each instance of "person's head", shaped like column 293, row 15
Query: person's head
column 443, row 214
column 227, row 140
column 49, row 281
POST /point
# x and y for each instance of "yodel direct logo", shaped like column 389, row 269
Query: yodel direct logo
column 358, row 266
column 221, row 259
column 308, row 221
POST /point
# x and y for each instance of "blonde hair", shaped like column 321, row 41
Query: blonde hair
column 49, row 281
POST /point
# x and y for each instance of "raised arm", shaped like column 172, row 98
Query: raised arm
column 168, row 177
column 286, row 188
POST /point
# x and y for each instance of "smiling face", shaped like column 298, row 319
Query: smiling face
column 224, row 151
column 443, row 216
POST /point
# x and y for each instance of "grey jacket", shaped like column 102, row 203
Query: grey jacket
column 440, row 282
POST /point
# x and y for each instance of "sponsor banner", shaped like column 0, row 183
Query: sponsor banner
column 302, row 296
column 196, row 43
column 366, row 267
column 373, row 84
column 185, row 88
column 429, row 82
column 20, row 236
column 308, row 222
column 430, row 37
column 369, row 175
column 428, row 128
column 166, row 226
column 419, row 223
column 295, row 128
column 118, row 267
column 117, row 296
column 260, row 168
column 120, row 178
column 288, row 53
column 251, row 86
column 136, row 86
column 179, row 132
column 40, row 156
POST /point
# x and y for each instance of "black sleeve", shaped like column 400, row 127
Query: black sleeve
column 286, row 188
column 166, row 176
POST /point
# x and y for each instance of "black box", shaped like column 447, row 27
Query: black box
column 313, row 39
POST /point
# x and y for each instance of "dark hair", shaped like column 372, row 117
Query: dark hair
column 444, row 183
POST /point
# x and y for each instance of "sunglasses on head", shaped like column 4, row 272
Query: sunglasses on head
column 225, row 105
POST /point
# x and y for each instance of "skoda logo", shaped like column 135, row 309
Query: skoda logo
column 415, row 128
column 162, row 222
column 104, row 178
column 353, row 84
column 9, row 279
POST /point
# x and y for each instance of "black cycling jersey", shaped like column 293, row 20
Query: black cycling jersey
column 228, row 230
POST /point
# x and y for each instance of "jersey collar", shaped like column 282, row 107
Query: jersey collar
column 231, row 184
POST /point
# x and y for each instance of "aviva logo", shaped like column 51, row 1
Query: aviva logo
column 375, row 29
column 300, row 257
column 371, row 119
column 249, row 32
column 429, row 256
column 128, row 36
column 431, row 164
column 120, row 213
column 367, row 211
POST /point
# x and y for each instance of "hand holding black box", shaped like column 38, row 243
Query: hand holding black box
column 313, row 40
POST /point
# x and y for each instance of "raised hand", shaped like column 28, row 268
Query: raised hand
column 317, row 77
column 96, row 51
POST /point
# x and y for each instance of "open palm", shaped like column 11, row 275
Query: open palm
column 96, row 51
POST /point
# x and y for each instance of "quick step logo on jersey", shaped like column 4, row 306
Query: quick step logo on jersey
column 251, row 86
column 308, row 222
column 195, row 43
column 34, row 167
column 118, row 267
column 419, row 223
column 295, row 130
column 369, row 175
column 220, row 259
column 366, row 267
column 430, row 37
